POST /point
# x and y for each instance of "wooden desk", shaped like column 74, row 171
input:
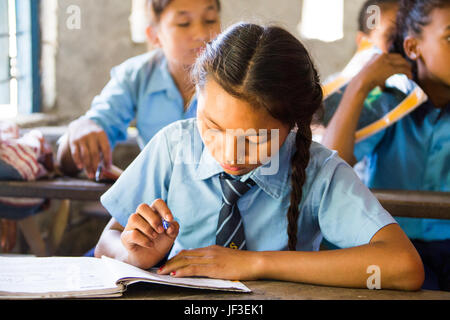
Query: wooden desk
column 65, row 189
column 415, row 204
column 59, row 188
column 276, row 290
column 400, row 203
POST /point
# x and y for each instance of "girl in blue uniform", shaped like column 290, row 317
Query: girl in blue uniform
column 153, row 88
column 413, row 153
column 275, row 199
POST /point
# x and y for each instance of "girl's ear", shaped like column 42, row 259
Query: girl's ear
column 411, row 47
column 152, row 37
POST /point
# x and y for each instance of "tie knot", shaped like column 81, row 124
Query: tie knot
column 233, row 189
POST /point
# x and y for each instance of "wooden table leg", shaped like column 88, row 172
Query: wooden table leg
column 59, row 225
column 33, row 236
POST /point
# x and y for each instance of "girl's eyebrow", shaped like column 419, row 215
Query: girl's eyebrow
column 211, row 7
column 184, row 12
column 268, row 132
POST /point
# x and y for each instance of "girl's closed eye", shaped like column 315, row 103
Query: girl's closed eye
column 183, row 21
column 258, row 139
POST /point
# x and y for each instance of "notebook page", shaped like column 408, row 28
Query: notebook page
column 123, row 270
column 32, row 275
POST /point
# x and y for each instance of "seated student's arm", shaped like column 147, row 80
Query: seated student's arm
column 389, row 250
column 143, row 242
column 340, row 132
column 82, row 147
column 90, row 139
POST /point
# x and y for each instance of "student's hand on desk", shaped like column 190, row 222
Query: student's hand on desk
column 214, row 262
column 380, row 68
column 88, row 143
column 144, row 236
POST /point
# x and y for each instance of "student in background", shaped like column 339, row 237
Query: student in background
column 378, row 30
column 153, row 88
column 374, row 28
column 413, row 153
column 256, row 85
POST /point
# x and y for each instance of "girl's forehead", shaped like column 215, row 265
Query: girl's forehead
column 229, row 112
column 439, row 20
column 184, row 7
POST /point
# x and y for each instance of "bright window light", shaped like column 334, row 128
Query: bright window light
column 322, row 20
column 9, row 111
column 138, row 21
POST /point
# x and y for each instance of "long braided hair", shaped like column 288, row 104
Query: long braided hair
column 269, row 68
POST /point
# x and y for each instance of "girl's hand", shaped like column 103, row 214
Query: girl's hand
column 380, row 68
column 214, row 262
column 144, row 236
column 88, row 144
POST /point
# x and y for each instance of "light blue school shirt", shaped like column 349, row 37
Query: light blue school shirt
column 140, row 88
column 412, row 154
column 176, row 167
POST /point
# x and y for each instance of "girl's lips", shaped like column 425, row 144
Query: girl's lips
column 230, row 168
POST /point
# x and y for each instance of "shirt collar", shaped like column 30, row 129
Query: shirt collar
column 161, row 79
column 272, row 184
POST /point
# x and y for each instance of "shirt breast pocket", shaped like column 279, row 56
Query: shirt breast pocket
column 196, row 208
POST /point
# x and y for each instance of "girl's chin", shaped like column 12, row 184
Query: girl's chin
column 237, row 170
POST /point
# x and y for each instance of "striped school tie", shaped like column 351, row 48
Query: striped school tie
column 230, row 229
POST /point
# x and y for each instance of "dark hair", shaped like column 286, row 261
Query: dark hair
column 158, row 6
column 364, row 15
column 270, row 69
column 412, row 16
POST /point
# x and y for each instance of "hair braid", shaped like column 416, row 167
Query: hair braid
column 300, row 158
column 299, row 162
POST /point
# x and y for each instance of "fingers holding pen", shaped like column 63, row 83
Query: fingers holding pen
column 145, row 227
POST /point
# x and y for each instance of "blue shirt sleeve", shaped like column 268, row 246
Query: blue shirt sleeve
column 146, row 179
column 349, row 214
column 367, row 146
column 114, row 108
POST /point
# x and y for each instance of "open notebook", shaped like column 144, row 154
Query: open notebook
column 86, row 277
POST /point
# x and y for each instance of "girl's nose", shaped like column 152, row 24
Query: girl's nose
column 230, row 153
column 201, row 32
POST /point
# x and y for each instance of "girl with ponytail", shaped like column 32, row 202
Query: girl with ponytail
column 257, row 88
